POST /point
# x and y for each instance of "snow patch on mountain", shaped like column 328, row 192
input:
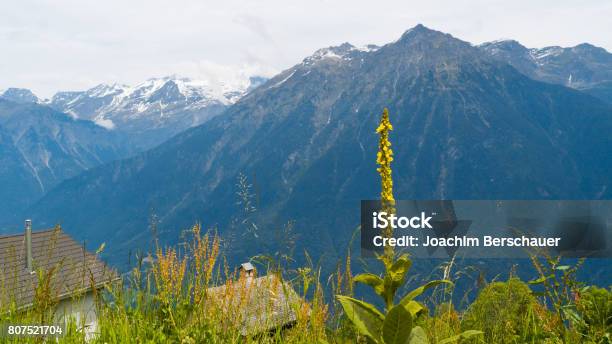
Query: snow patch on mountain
column 539, row 54
column 105, row 123
column 283, row 80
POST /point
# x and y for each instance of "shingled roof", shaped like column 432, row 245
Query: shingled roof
column 258, row 304
column 72, row 269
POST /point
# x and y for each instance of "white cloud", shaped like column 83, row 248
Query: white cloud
column 216, row 73
column 50, row 45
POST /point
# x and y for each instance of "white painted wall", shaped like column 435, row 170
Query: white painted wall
column 82, row 310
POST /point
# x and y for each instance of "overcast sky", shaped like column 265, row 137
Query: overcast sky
column 76, row 44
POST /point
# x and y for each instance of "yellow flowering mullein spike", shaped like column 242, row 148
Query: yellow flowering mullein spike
column 384, row 157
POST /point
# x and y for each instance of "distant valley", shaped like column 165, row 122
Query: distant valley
column 40, row 147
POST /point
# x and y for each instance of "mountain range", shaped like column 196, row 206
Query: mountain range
column 150, row 112
column 469, row 123
column 40, row 147
column 584, row 67
column 45, row 141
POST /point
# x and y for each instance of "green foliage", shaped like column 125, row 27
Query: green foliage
column 558, row 284
column 505, row 312
column 395, row 276
column 559, row 288
column 395, row 327
column 463, row 335
column 158, row 309
column 366, row 318
column 398, row 325
column 444, row 324
column 417, row 336
column 594, row 307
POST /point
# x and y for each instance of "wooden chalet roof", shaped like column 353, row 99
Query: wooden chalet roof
column 71, row 269
column 260, row 304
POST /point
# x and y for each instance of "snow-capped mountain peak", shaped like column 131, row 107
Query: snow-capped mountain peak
column 104, row 90
column 19, row 95
column 150, row 111
column 165, row 105
column 343, row 52
column 118, row 102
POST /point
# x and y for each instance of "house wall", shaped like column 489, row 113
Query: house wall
column 82, row 310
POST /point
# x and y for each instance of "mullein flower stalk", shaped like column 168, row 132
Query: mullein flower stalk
column 384, row 157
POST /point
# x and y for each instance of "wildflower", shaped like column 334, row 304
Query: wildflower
column 384, row 157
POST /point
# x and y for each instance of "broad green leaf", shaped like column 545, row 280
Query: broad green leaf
column 420, row 290
column 463, row 335
column 395, row 275
column 417, row 336
column 366, row 318
column 399, row 268
column 371, row 280
column 414, row 308
column 397, row 325
column 563, row 267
